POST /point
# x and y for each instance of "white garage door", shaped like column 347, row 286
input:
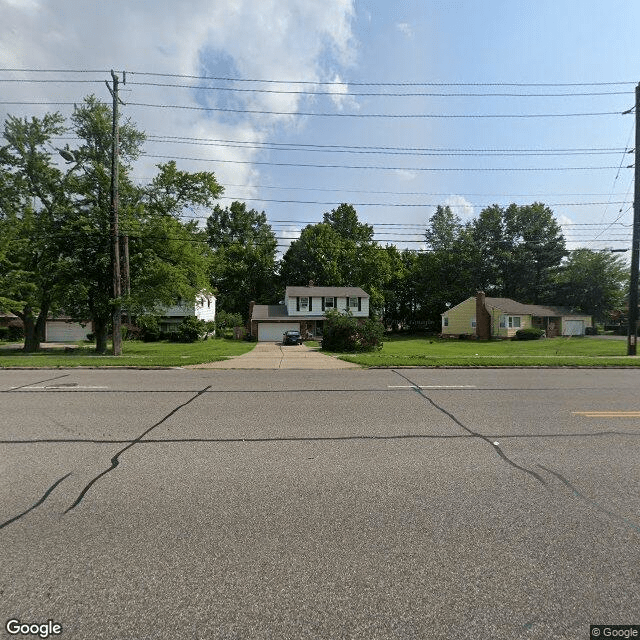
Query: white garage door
column 60, row 331
column 573, row 328
column 272, row 331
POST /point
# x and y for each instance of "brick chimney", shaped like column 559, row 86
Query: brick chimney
column 483, row 317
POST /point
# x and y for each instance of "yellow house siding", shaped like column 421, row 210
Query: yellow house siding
column 507, row 332
column 460, row 318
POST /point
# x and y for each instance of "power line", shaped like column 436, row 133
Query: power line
column 382, row 94
column 366, row 115
column 291, row 146
column 406, row 151
column 342, row 166
column 385, row 84
column 395, row 204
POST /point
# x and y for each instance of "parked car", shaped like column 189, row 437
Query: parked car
column 291, row 337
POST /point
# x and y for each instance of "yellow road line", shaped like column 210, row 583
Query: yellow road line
column 607, row 414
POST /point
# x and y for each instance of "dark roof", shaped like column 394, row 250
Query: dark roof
column 269, row 312
column 326, row 291
column 511, row 306
column 507, row 305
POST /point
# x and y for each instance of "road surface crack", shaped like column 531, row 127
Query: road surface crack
column 115, row 460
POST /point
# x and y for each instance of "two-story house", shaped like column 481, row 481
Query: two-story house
column 203, row 308
column 304, row 310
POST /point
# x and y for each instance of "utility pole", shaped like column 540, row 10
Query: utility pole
column 115, row 240
column 635, row 242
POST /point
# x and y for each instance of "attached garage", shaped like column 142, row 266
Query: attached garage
column 573, row 327
column 272, row 331
column 61, row 331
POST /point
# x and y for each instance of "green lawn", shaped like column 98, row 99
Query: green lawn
column 138, row 354
column 411, row 351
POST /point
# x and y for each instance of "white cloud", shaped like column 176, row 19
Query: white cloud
column 284, row 236
column 340, row 95
column 270, row 39
column 460, row 207
column 405, row 28
column 406, row 175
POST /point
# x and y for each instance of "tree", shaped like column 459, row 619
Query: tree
column 244, row 257
column 534, row 248
column 444, row 273
column 340, row 251
column 59, row 250
column 593, row 282
column 34, row 204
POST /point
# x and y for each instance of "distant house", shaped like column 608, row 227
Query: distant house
column 203, row 308
column 304, row 310
column 487, row 317
column 58, row 328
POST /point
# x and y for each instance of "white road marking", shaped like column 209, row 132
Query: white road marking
column 432, row 386
column 59, row 388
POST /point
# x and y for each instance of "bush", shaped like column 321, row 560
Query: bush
column 190, row 329
column 4, row 334
column 16, row 333
column 149, row 329
column 591, row 331
column 90, row 337
column 342, row 332
column 529, row 334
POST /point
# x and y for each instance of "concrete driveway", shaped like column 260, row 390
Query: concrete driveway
column 273, row 355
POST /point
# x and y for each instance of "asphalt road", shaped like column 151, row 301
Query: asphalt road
column 320, row 504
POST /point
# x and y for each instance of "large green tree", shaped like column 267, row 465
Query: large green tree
column 243, row 267
column 340, row 251
column 594, row 282
column 59, row 255
column 533, row 251
column 34, row 204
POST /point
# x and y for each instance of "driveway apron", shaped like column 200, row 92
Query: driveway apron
column 274, row 355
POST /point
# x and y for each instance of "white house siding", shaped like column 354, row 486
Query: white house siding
column 205, row 308
column 316, row 306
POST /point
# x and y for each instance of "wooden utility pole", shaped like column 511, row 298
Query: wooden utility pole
column 635, row 242
column 116, row 319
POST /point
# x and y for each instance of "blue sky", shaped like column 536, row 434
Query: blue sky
column 355, row 42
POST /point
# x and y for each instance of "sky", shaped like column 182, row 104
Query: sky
column 192, row 72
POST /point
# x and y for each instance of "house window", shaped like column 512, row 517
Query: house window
column 353, row 303
column 304, row 303
column 328, row 302
column 445, row 322
column 473, row 322
column 514, row 322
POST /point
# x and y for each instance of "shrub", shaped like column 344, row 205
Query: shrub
column 190, row 329
column 16, row 333
column 91, row 337
column 149, row 329
column 342, row 332
column 4, row 334
column 529, row 334
column 591, row 331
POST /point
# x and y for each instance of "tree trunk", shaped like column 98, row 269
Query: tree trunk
column 31, row 336
column 100, row 331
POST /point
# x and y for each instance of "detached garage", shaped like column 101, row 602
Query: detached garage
column 272, row 331
column 63, row 331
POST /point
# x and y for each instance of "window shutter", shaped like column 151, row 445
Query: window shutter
column 297, row 303
column 323, row 303
column 359, row 303
column 310, row 303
